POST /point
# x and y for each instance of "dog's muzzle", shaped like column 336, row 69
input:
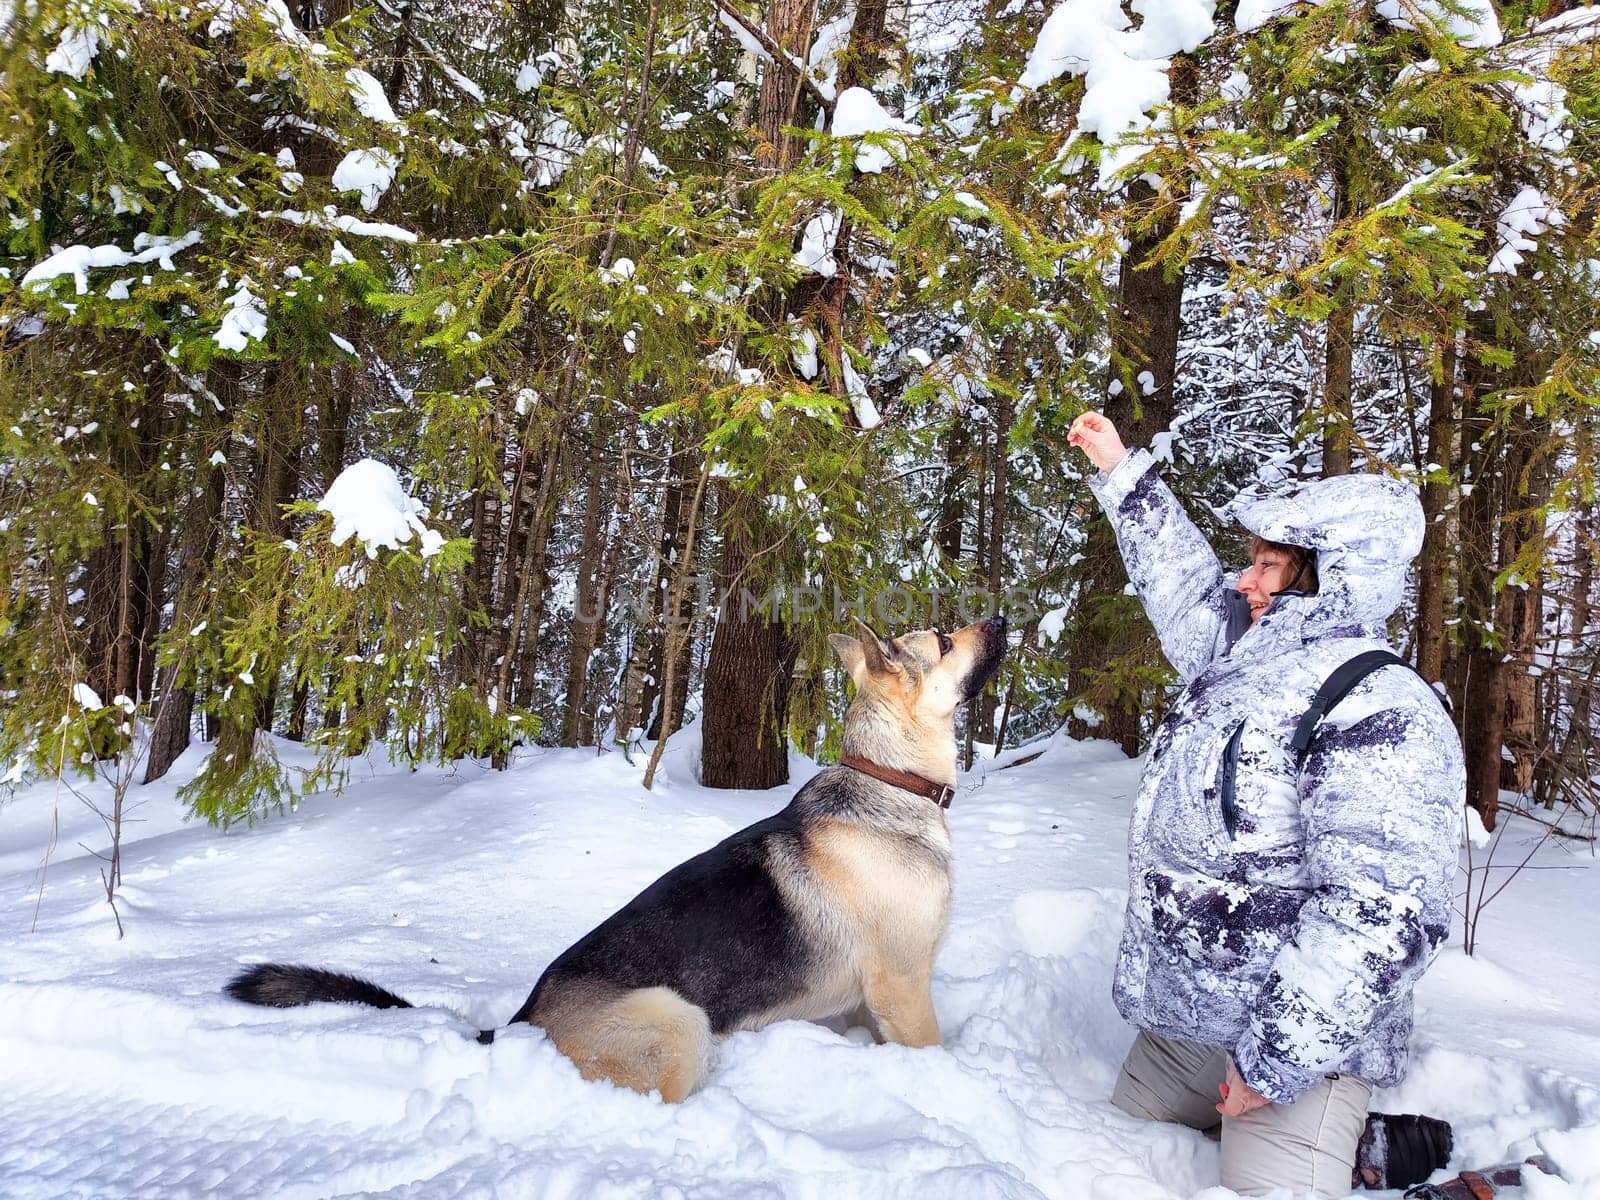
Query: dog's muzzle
column 989, row 657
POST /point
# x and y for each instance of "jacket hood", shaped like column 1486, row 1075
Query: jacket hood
column 1365, row 530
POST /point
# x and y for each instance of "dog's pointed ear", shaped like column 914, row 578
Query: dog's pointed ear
column 850, row 654
column 879, row 657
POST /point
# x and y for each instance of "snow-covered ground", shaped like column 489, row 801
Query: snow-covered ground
column 124, row 1072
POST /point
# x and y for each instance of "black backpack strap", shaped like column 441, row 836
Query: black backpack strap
column 1337, row 687
column 1227, row 780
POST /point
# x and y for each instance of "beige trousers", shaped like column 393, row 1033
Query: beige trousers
column 1307, row 1146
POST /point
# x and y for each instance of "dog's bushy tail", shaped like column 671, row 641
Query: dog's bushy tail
column 279, row 985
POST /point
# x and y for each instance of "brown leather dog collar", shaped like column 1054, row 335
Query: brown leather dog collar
column 940, row 793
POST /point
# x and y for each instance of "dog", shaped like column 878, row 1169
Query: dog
column 840, row 901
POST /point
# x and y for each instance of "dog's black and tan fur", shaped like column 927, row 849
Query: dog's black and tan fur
column 838, row 901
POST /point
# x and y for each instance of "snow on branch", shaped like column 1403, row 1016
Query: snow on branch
column 77, row 260
column 816, row 244
column 369, row 97
column 1541, row 102
column 76, row 50
column 1124, row 67
column 244, row 322
column 342, row 222
column 858, row 112
column 1253, row 14
column 1470, row 22
column 1530, row 214
column 466, row 86
column 368, row 502
column 369, row 172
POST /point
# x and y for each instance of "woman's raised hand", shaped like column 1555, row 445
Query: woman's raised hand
column 1096, row 436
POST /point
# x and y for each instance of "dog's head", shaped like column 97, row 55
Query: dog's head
column 926, row 674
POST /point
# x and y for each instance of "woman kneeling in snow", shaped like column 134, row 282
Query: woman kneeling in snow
column 1278, row 918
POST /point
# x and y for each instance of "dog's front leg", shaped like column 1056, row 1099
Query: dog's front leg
column 903, row 1008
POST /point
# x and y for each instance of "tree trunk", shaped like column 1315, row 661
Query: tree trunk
column 175, row 692
column 299, row 711
column 1338, row 413
column 279, row 433
column 155, row 552
column 744, row 724
column 1112, row 640
column 588, row 600
column 280, row 440
column 1521, row 602
column 535, row 495
column 125, row 574
column 332, row 436
column 475, row 660
column 677, row 635
column 1480, row 686
column 104, row 587
column 669, row 607
column 970, row 715
column 619, row 536
column 952, row 500
column 1434, row 559
column 536, row 576
column 746, row 717
column 1575, row 673
column 788, row 23
column 169, row 736
column 1338, row 416
column 863, row 59
column 987, row 701
column 505, row 581
column 673, row 659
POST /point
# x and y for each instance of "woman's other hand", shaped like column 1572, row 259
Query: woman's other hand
column 1096, row 436
column 1238, row 1097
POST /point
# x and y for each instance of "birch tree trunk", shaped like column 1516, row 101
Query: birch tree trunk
column 669, row 605
column 1522, row 599
column 589, row 599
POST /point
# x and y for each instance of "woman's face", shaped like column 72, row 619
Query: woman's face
column 1268, row 575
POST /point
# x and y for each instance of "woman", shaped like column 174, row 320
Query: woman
column 1269, row 952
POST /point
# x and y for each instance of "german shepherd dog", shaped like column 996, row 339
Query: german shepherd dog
column 838, row 901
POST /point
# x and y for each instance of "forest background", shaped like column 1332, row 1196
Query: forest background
column 427, row 372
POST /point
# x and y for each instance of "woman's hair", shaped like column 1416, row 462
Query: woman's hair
column 1302, row 563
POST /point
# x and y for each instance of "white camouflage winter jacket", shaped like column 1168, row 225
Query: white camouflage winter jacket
column 1294, row 942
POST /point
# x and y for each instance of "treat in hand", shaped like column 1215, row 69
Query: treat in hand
column 1096, row 436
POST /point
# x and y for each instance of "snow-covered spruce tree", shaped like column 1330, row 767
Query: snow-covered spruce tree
column 1128, row 83
column 965, row 289
column 185, row 187
column 1012, row 314
column 623, row 319
column 1454, row 144
column 1528, row 380
column 1343, row 159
